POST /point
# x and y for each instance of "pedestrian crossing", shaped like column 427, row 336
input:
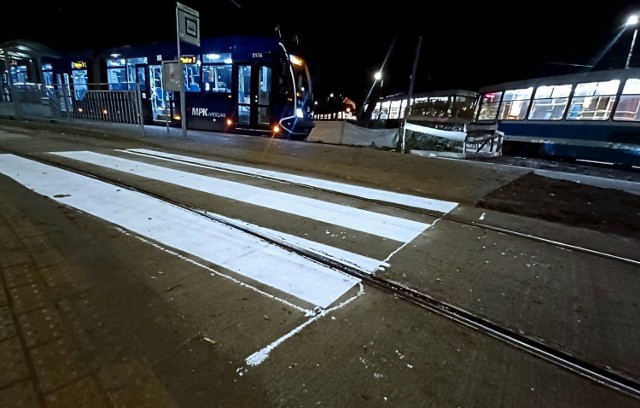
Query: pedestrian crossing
column 407, row 200
column 385, row 226
column 218, row 242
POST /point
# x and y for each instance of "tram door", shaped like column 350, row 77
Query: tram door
column 159, row 101
column 254, row 96
column 142, row 80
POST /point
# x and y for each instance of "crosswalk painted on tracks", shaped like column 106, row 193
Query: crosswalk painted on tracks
column 408, row 200
column 398, row 229
column 219, row 243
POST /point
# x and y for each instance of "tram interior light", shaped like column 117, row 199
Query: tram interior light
column 299, row 113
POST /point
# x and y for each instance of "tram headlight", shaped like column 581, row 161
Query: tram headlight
column 299, row 113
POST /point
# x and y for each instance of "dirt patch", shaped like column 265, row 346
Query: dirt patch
column 606, row 210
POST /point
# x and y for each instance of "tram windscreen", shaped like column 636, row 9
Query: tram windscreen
column 303, row 81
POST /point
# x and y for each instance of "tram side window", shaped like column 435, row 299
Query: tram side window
column 135, row 76
column 217, row 78
column 19, row 74
column 593, row 100
column 394, row 112
column 216, row 72
column 403, row 108
column 80, row 88
column 384, row 110
column 420, row 106
column 489, row 105
column 628, row 108
column 47, row 75
column 550, row 102
column 117, row 73
column 376, row 111
column 192, row 77
column 515, row 104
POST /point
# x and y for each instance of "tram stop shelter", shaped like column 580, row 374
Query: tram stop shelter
column 26, row 51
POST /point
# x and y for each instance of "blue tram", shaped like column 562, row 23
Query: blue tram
column 231, row 84
column 591, row 116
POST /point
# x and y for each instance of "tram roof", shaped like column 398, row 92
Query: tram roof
column 25, row 49
column 599, row 75
column 436, row 93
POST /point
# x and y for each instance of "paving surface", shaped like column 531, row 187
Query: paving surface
column 78, row 329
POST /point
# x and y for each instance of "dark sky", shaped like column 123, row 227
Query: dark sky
column 465, row 45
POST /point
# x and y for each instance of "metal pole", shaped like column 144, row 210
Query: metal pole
column 183, row 105
column 7, row 68
column 633, row 42
column 407, row 111
column 139, row 100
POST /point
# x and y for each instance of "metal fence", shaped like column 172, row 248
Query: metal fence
column 90, row 103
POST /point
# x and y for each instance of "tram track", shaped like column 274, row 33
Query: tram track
column 536, row 347
column 423, row 212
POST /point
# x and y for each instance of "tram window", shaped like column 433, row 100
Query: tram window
column 244, row 84
column 593, row 100
column 19, row 74
column 515, row 104
column 394, row 111
column 384, row 110
column 79, row 77
column 192, row 77
column 302, row 83
column 403, row 108
column 628, row 108
column 117, row 78
column 264, row 94
column 376, row 111
column 116, row 73
column 47, row 75
column 131, row 71
column 217, row 78
column 489, row 106
column 550, row 102
column 217, row 58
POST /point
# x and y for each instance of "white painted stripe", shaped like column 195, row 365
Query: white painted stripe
column 360, row 262
column 398, row 229
column 167, row 224
column 364, row 192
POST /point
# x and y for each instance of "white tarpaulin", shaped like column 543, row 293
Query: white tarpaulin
column 340, row 132
column 454, row 135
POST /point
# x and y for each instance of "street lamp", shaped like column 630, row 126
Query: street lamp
column 631, row 21
column 378, row 77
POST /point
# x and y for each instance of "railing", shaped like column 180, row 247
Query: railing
column 91, row 103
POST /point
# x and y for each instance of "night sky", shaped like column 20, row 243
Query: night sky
column 464, row 46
